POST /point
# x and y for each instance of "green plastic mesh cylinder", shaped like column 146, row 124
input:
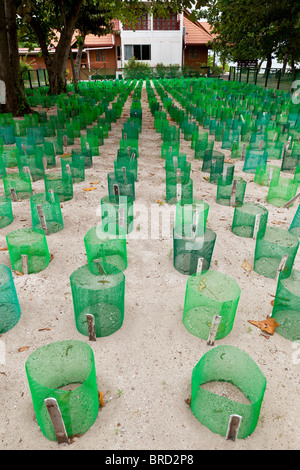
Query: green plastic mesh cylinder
column 122, row 185
column 271, row 249
column 169, row 149
column 253, row 159
column 30, row 243
column 6, row 213
column 182, row 172
column 194, row 214
column 123, row 165
column 216, row 169
column 295, row 225
column 105, row 247
column 281, row 192
column 264, row 174
column 209, row 157
column 76, row 165
column 286, row 307
column 222, row 364
column 117, row 212
column 231, row 192
column 18, row 184
column 209, row 294
column 10, row 310
column 46, row 212
column 179, row 191
column 250, row 220
column 65, row 371
column 60, row 184
column 202, row 147
column 190, row 250
column 100, row 295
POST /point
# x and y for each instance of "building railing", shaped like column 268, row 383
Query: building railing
column 140, row 25
column 267, row 78
column 169, row 24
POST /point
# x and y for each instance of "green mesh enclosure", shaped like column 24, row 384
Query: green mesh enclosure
column 169, row 149
column 231, row 192
column 46, row 212
column 250, row 220
column 125, row 165
column 49, row 154
column 295, row 225
column 179, row 191
column 216, row 169
column 33, row 165
column 188, row 128
column 10, row 157
column 212, row 156
column 191, row 215
column 10, row 310
column 208, row 294
column 64, row 370
column 121, row 185
column 60, row 184
column 37, row 133
column 105, row 247
column 172, row 162
column 7, row 133
column 190, row 251
column 127, row 153
column 3, row 171
column 286, row 308
column 117, row 212
column 100, row 295
column 202, row 147
column 86, row 153
column 281, row 192
column 75, row 164
column 6, row 213
column 222, row 364
column 18, row 184
column 171, row 134
column 296, row 173
column 130, row 144
column 264, row 174
column 275, row 150
column 32, row 243
column 290, row 160
column 181, row 172
column 90, row 142
column 270, row 250
column 254, row 158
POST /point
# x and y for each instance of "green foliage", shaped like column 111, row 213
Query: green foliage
column 25, row 66
column 135, row 69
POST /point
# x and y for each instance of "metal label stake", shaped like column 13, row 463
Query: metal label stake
column 256, row 225
column 175, row 162
column 233, row 193
column 24, row 264
column 124, row 173
column 45, row 163
column 233, row 427
column 42, row 218
column 91, row 326
column 68, row 168
column 213, row 330
column 57, row 421
column 13, row 194
column 200, row 265
column 52, row 195
column 65, row 141
column 195, row 223
column 179, row 191
column 270, row 175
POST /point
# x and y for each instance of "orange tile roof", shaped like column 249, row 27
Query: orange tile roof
column 195, row 33
column 101, row 41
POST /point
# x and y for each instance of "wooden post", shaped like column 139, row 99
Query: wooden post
column 91, row 326
column 24, row 264
column 281, row 266
column 57, row 421
column 291, row 201
column 99, row 266
column 213, row 330
column 233, row 427
column 13, row 194
column 26, row 169
column 178, row 191
column 256, row 225
column 233, row 193
column 42, row 218
column 243, row 152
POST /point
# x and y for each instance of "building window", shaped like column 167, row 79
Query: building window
column 138, row 51
column 166, row 24
column 118, row 52
column 194, row 53
column 100, row 56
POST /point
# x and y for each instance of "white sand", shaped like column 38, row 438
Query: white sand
column 144, row 369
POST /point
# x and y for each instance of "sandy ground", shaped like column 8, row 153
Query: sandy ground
column 144, row 369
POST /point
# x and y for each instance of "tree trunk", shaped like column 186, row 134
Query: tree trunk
column 78, row 59
column 10, row 72
column 269, row 61
column 284, row 64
